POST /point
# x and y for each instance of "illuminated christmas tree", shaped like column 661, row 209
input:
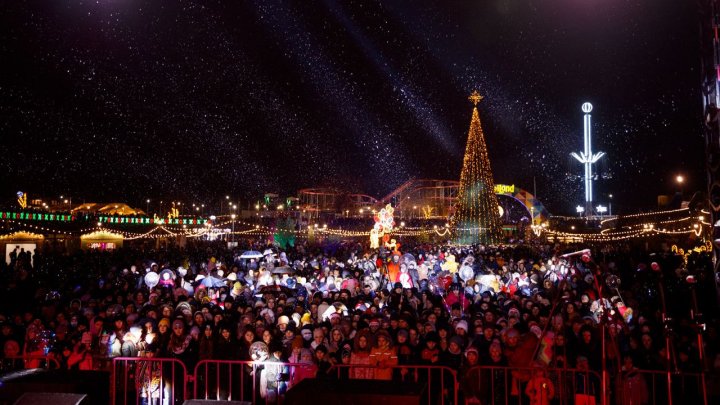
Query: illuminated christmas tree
column 477, row 216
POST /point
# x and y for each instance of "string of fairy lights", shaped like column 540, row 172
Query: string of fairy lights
column 221, row 229
column 642, row 231
column 29, row 226
column 685, row 225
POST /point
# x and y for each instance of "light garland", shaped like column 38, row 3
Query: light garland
column 36, row 216
column 35, row 227
column 151, row 221
column 665, row 227
column 647, row 231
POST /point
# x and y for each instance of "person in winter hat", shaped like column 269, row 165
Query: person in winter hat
column 360, row 355
column 470, row 379
column 383, row 356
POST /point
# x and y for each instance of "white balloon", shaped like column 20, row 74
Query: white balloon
column 466, row 273
column 152, row 279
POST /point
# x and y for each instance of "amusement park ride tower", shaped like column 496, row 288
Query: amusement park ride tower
column 587, row 158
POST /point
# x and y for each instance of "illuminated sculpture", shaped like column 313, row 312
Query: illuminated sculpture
column 476, row 219
column 22, row 199
column 384, row 223
column 174, row 212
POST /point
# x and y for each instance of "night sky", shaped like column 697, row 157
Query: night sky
column 133, row 99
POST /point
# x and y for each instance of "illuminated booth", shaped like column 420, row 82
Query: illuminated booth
column 101, row 240
column 106, row 209
column 19, row 241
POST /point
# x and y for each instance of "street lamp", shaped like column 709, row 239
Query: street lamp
column 610, row 204
column 233, row 227
column 580, row 209
column 680, row 179
column 601, row 209
column 147, row 207
column 67, row 201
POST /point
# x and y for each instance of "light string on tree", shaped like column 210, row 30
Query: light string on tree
column 476, row 219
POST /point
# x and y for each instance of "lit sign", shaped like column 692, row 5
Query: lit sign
column 504, row 189
column 102, row 245
column 36, row 216
column 22, row 199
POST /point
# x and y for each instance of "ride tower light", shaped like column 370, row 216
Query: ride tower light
column 587, row 157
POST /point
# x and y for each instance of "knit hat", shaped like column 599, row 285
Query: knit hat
column 471, row 349
column 457, row 340
column 403, row 332
column 237, row 288
column 385, row 335
column 307, row 332
column 306, row 319
column 462, row 325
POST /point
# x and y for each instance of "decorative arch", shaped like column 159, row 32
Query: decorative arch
column 534, row 207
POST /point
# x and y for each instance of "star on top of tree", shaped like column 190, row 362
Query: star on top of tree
column 475, row 97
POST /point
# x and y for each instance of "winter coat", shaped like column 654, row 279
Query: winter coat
column 540, row 390
column 360, row 373
column 383, row 359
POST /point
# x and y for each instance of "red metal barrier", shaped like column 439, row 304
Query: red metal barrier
column 137, row 380
column 166, row 381
column 687, row 388
column 234, row 380
column 441, row 382
column 517, row 385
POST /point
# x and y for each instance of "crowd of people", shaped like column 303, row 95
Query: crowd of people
column 535, row 308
